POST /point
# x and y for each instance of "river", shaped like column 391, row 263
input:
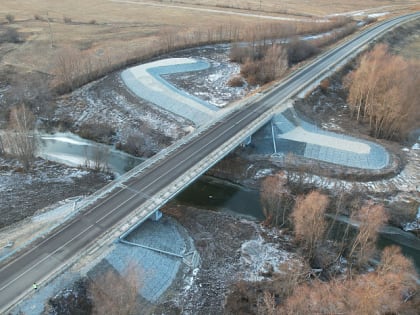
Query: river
column 206, row 192
column 219, row 195
column 70, row 149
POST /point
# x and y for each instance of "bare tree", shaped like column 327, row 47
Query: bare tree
column 371, row 218
column 261, row 63
column 276, row 199
column 100, row 158
column 275, row 62
column 117, row 294
column 68, row 66
column 20, row 139
column 381, row 292
column 309, row 221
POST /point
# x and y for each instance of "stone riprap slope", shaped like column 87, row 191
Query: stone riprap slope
column 146, row 82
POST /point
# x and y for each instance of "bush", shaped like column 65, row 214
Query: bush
column 276, row 200
column 249, row 71
column 309, row 221
column 324, row 85
column 299, row 50
column 236, row 81
column 10, row 18
column 67, row 20
column 271, row 66
column 383, row 91
column 72, row 301
column 241, row 54
column 39, row 18
column 10, row 35
column 136, row 145
column 100, row 132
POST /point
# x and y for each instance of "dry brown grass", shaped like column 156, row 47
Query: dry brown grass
column 131, row 29
column 411, row 51
column 298, row 7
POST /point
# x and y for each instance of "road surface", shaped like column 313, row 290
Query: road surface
column 40, row 260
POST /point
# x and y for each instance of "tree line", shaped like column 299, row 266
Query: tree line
column 264, row 59
column 73, row 67
column 383, row 91
column 317, row 285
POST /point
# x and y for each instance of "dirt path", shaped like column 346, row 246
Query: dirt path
column 227, row 12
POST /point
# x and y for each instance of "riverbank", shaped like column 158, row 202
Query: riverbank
column 22, row 194
column 166, row 282
column 251, row 251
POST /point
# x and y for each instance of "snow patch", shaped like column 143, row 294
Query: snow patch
column 376, row 15
column 415, row 225
column 260, row 258
column 263, row 173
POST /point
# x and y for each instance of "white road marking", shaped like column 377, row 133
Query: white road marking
column 43, row 259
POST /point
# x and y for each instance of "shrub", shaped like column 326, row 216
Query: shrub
column 39, row 18
column 299, row 50
column 10, row 36
column 137, row 144
column 384, row 291
column 10, row 18
column 101, row 132
column 383, row 91
column 371, row 218
column 67, row 20
column 236, row 81
column 242, row 53
column 309, row 222
column 272, row 65
column 117, row 293
column 276, row 199
column 324, row 85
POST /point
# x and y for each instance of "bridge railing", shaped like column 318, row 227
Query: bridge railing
column 161, row 154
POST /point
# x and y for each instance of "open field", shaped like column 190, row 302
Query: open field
column 409, row 45
column 116, row 30
column 303, row 7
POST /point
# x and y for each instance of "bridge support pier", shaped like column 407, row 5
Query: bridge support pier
column 247, row 141
column 156, row 215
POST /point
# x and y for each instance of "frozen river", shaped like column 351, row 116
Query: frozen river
column 70, row 149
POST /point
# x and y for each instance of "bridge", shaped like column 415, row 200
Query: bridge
column 138, row 194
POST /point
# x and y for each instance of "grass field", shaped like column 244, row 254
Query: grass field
column 118, row 30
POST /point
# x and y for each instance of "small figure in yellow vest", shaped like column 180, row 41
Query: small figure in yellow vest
column 35, row 286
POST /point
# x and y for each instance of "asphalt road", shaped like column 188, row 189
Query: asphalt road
column 38, row 261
